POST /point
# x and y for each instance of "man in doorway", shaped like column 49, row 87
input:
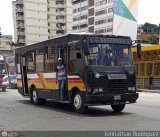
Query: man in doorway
column 61, row 77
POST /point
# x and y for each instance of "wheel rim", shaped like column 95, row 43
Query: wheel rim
column 77, row 101
column 34, row 96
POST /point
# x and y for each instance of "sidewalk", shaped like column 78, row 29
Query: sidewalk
column 149, row 90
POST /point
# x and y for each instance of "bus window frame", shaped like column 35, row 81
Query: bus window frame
column 82, row 55
column 34, row 52
column 54, row 48
column 43, row 49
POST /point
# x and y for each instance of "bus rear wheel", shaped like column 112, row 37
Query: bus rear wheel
column 78, row 103
column 34, row 98
column 118, row 108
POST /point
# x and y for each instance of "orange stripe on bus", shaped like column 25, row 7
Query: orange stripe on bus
column 42, row 79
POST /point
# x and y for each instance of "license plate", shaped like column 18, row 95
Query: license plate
column 116, row 103
column 117, row 97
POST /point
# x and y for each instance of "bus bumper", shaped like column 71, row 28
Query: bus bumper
column 112, row 99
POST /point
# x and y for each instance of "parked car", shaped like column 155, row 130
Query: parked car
column 4, row 81
column 13, row 81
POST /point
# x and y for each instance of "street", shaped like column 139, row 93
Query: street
column 16, row 113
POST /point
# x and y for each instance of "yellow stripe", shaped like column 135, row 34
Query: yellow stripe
column 148, row 48
column 131, row 4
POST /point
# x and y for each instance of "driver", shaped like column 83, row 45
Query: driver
column 108, row 58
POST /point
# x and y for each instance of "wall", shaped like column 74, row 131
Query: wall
column 36, row 26
column 125, row 18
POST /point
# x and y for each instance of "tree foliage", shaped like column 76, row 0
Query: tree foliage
column 147, row 27
column 150, row 40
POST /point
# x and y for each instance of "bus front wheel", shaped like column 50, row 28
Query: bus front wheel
column 34, row 98
column 78, row 103
column 118, row 108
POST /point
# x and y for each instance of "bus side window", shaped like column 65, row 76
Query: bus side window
column 40, row 59
column 63, row 54
column 75, row 61
column 31, row 62
column 49, row 59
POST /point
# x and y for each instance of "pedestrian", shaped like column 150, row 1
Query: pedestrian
column 151, row 82
column 61, row 78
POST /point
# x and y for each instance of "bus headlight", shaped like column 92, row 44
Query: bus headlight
column 131, row 88
column 97, row 75
column 97, row 90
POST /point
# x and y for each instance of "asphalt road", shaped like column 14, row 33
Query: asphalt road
column 16, row 113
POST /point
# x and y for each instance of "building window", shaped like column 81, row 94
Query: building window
column 104, row 30
column 100, row 2
column 109, row 30
column 104, row 11
column 110, row 10
column 74, row 27
column 100, row 21
column 80, row 18
column 101, row 30
column 110, row 19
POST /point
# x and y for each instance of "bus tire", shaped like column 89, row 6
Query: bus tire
column 118, row 108
column 78, row 103
column 34, row 98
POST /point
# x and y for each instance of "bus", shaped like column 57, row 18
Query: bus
column 100, row 71
column 4, row 83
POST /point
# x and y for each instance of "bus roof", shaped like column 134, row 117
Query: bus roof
column 64, row 40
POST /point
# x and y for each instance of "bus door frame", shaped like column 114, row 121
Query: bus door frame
column 24, row 75
column 65, row 48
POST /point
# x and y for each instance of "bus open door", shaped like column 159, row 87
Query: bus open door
column 23, row 70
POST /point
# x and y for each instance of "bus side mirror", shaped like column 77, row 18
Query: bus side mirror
column 139, row 50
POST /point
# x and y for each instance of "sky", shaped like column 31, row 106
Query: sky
column 149, row 11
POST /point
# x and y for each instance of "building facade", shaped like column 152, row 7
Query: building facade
column 39, row 20
column 5, row 45
column 117, row 17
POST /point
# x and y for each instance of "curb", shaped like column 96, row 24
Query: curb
column 148, row 91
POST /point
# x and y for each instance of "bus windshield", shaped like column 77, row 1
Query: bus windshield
column 110, row 55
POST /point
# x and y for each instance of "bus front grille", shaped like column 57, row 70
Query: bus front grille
column 116, row 86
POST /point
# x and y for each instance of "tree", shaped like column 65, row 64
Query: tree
column 148, row 27
column 149, row 40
